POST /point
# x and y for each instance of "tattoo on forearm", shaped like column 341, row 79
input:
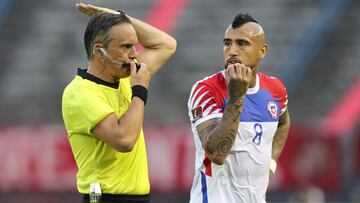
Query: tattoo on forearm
column 236, row 113
column 219, row 138
column 226, row 144
column 278, row 142
column 280, row 136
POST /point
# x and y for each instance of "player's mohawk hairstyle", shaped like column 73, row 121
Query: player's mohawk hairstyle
column 242, row 19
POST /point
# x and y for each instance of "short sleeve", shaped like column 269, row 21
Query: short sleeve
column 82, row 112
column 282, row 95
column 203, row 104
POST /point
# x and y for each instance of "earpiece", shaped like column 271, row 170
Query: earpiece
column 100, row 51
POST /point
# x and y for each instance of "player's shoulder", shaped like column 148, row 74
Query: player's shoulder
column 213, row 81
column 213, row 86
column 271, row 83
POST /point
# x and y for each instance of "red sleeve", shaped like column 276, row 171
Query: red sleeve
column 281, row 93
column 203, row 102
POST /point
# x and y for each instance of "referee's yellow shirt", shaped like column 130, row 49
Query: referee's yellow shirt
column 86, row 101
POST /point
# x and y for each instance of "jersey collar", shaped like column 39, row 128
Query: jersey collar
column 85, row 75
column 254, row 89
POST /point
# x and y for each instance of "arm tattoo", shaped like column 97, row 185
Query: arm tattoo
column 218, row 136
column 280, row 135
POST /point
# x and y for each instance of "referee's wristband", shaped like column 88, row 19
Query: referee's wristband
column 273, row 166
column 139, row 91
column 121, row 12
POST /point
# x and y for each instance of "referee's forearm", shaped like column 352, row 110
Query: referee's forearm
column 131, row 122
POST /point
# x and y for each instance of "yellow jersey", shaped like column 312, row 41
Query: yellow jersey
column 86, row 101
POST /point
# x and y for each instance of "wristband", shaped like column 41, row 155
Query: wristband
column 273, row 166
column 139, row 91
column 121, row 12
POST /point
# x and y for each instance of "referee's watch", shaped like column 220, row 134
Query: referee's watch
column 121, row 12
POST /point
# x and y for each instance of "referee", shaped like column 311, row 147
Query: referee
column 103, row 106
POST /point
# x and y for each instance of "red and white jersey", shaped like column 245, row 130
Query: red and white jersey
column 244, row 176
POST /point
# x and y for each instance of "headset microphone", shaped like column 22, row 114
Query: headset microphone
column 121, row 65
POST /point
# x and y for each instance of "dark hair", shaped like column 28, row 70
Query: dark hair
column 97, row 30
column 242, row 19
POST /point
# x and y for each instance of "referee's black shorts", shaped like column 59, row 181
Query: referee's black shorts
column 108, row 198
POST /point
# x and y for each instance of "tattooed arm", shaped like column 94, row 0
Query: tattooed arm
column 280, row 135
column 218, row 135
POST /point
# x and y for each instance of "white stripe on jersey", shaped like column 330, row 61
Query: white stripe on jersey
column 193, row 97
column 208, row 109
column 199, row 99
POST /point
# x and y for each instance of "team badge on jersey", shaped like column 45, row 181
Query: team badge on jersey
column 273, row 109
column 197, row 113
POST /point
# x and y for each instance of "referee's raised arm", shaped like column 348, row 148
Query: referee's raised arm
column 158, row 45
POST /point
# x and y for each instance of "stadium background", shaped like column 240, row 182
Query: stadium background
column 314, row 49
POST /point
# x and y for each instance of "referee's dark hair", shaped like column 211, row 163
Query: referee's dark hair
column 98, row 30
column 242, row 19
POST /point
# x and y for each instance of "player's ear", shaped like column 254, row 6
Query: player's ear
column 263, row 51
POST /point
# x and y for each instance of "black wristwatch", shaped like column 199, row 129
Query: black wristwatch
column 121, row 12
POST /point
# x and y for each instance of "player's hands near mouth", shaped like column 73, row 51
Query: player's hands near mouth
column 238, row 77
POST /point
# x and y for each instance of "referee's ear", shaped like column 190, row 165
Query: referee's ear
column 97, row 50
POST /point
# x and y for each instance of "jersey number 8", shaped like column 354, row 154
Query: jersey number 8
column 258, row 133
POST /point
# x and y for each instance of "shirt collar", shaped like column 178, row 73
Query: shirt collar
column 85, row 75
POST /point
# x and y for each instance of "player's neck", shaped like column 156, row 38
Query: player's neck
column 253, row 79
